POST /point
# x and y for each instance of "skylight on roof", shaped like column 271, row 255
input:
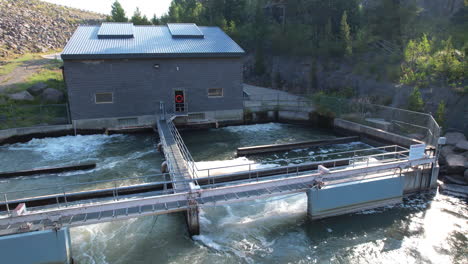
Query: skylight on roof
column 181, row 30
column 115, row 30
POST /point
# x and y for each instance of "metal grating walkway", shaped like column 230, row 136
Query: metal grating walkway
column 178, row 168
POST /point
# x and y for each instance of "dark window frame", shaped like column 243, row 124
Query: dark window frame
column 103, row 102
column 210, row 95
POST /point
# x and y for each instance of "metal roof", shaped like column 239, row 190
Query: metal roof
column 116, row 30
column 185, row 30
column 149, row 42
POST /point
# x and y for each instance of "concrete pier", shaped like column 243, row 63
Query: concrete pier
column 40, row 247
column 193, row 220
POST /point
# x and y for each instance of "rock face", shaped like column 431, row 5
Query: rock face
column 51, row 95
column 455, row 164
column 454, row 137
column 37, row 88
column 21, row 96
column 461, row 146
column 454, row 159
column 36, row 26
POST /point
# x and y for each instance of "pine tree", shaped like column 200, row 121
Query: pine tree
column 415, row 102
column 138, row 19
column 346, row 35
column 117, row 13
column 155, row 20
column 440, row 114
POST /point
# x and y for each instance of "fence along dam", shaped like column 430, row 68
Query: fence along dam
column 335, row 183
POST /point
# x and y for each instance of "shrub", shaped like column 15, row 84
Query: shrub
column 416, row 102
column 440, row 114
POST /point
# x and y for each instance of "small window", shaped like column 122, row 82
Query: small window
column 104, row 98
column 215, row 92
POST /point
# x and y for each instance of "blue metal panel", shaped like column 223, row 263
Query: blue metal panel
column 115, row 30
column 359, row 194
column 48, row 246
column 182, row 30
column 150, row 42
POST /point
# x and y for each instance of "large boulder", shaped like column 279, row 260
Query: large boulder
column 21, row 96
column 37, row 88
column 466, row 175
column 455, row 164
column 51, row 95
column 454, row 137
column 444, row 152
column 461, row 146
column 456, row 179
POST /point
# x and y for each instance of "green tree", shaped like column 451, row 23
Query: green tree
column 155, row 20
column 117, row 13
column 138, row 19
column 346, row 35
column 415, row 102
column 446, row 64
column 416, row 65
column 440, row 114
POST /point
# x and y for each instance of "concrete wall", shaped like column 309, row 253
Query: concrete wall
column 338, row 199
column 420, row 179
column 138, row 87
column 374, row 133
column 40, row 247
column 28, row 131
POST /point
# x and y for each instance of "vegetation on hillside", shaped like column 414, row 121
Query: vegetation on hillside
column 408, row 45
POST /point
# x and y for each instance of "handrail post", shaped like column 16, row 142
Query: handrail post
column 6, row 203
column 64, row 196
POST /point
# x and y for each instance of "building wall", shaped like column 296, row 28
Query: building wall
column 138, row 87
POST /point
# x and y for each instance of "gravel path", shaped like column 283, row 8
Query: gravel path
column 21, row 73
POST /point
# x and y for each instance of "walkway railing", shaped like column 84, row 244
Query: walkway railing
column 354, row 157
column 62, row 194
column 416, row 125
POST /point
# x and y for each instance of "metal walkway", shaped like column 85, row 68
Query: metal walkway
column 176, row 163
column 122, row 201
column 118, row 207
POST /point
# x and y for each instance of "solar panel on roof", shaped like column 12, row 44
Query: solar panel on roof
column 115, row 30
column 182, row 30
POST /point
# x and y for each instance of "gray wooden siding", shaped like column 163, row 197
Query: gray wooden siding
column 138, row 87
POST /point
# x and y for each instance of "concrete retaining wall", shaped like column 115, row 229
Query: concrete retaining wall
column 40, row 247
column 343, row 198
column 420, row 179
column 374, row 133
column 28, row 131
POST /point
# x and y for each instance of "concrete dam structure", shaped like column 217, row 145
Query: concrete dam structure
column 359, row 180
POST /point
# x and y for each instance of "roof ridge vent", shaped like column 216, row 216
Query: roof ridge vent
column 113, row 30
column 185, row 30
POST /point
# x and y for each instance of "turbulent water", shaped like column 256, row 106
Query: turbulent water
column 426, row 228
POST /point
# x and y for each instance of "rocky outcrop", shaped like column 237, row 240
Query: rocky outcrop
column 454, row 159
column 36, row 26
column 461, row 146
column 454, row 137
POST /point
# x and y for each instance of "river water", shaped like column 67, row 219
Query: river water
column 425, row 228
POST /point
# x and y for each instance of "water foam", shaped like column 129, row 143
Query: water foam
column 254, row 128
column 57, row 148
